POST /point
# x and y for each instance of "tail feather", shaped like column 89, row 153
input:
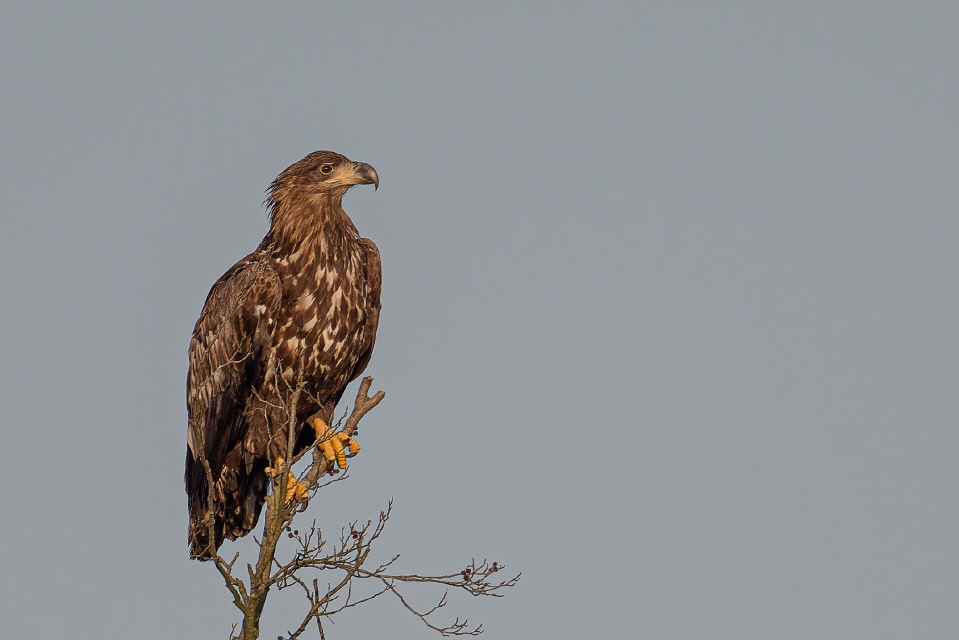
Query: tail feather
column 238, row 498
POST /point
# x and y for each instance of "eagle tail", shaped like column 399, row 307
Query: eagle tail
column 199, row 532
column 237, row 500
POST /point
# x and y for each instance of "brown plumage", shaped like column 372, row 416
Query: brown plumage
column 308, row 299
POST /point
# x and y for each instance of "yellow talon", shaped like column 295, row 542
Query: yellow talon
column 275, row 471
column 354, row 447
column 331, row 443
column 295, row 490
column 337, row 442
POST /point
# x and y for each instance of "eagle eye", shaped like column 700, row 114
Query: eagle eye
column 326, row 169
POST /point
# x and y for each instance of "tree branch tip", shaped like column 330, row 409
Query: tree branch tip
column 348, row 556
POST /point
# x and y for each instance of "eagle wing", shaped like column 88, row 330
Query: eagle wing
column 374, row 283
column 228, row 356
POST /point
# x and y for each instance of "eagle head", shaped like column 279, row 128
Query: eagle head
column 321, row 173
column 308, row 195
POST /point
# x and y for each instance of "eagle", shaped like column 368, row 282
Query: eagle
column 301, row 311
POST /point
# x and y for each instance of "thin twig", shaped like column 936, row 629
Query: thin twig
column 348, row 556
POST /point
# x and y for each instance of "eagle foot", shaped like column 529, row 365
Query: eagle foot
column 296, row 491
column 334, row 445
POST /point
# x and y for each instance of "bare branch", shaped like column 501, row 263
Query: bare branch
column 347, row 558
column 361, row 406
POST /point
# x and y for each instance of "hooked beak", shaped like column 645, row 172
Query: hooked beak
column 365, row 174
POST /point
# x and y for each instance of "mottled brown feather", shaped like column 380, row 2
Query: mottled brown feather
column 309, row 294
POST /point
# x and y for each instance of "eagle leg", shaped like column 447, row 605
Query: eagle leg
column 331, row 443
column 296, row 491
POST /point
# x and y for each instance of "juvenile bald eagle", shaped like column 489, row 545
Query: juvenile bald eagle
column 303, row 306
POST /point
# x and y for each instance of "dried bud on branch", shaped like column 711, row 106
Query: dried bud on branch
column 349, row 557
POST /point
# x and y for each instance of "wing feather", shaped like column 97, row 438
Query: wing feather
column 227, row 357
column 374, row 283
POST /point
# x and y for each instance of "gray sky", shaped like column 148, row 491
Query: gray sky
column 670, row 305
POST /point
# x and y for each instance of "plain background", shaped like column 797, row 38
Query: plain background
column 669, row 322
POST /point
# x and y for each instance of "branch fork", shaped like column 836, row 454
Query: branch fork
column 348, row 557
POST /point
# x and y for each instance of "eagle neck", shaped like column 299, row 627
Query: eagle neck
column 310, row 226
